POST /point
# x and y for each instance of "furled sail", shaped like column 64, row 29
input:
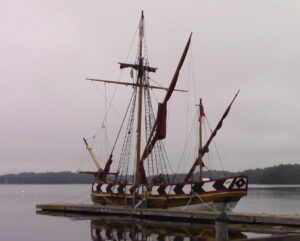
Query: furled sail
column 205, row 149
column 158, row 131
column 107, row 167
column 161, row 130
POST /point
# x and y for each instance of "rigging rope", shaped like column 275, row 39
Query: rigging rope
column 126, row 148
column 210, row 163
column 100, row 126
column 155, row 82
column 105, row 125
column 148, row 125
column 184, row 150
column 157, row 153
column 164, row 149
column 115, row 89
column 215, row 146
column 122, row 122
column 191, row 71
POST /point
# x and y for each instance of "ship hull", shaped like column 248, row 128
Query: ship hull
column 218, row 194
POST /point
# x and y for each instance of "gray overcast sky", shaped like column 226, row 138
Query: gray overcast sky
column 48, row 48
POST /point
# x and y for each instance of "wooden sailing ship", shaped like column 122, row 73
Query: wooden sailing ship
column 150, row 186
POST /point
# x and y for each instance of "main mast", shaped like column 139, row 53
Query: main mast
column 159, row 126
column 141, row 76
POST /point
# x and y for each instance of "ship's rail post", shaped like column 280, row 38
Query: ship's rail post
column 144, row 196
column 221, row 226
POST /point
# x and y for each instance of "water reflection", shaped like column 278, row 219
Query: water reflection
column 121, row 228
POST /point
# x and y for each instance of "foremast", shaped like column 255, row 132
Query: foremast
column 139, row 172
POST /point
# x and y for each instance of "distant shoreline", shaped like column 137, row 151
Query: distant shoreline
column 46, row 178
column 287, row 174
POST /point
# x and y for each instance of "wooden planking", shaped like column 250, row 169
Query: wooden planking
column 171, row 214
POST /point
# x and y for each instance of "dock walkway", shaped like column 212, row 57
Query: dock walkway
column 191, row 216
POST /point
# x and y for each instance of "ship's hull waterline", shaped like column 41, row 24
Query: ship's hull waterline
column 218, row 194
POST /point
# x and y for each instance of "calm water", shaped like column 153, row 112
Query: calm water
column 19, row 221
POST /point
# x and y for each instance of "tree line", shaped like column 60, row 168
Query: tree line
column 281, row 174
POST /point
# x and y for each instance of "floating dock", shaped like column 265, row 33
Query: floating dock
column 190, row 216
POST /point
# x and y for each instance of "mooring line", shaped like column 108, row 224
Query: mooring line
column 205, row 202
column 188, row 202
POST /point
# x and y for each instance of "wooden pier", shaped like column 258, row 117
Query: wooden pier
column 209, row 216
